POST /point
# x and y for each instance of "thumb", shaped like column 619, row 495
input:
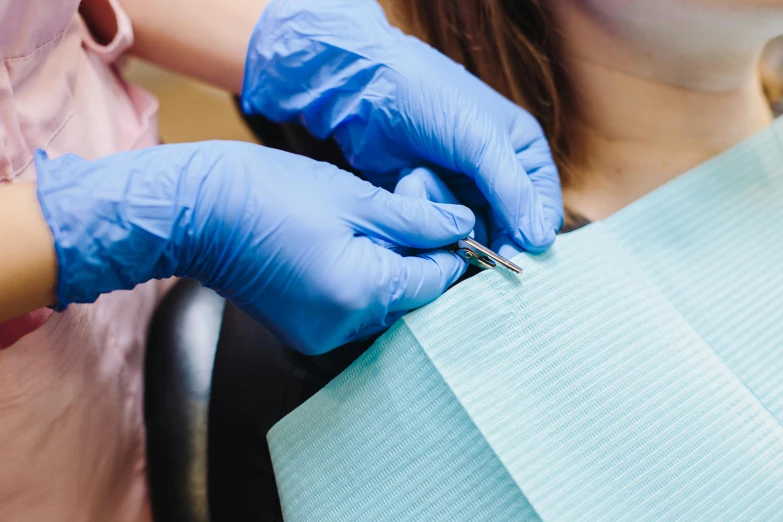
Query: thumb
column 425, row 184
column 422, row 183
column 411, row 221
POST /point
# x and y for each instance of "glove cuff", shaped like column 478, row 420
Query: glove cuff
column 54, row 196
column 116, row 222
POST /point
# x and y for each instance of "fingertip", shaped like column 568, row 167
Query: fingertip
column 533, row 229
column 411, row 185
column 538, row 242
column 463, row 218
column 423, row 183
column 450, row 220
column 404, row 173
column 556, row 218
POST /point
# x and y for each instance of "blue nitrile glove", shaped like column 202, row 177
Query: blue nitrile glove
column 392, row 102
column 293, row 242
column 422, row 183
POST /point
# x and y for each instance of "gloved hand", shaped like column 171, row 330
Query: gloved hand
column 422, row 183
column 293, row 242
column 392, row 102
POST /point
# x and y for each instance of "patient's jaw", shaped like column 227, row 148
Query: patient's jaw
column 699, row 44
column 659, row 88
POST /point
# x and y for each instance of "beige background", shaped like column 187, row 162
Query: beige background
column 189, row 110
column 193, row 111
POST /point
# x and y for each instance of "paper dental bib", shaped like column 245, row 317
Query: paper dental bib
column 634, row 372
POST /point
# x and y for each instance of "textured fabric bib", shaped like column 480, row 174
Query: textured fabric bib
column 634, row 372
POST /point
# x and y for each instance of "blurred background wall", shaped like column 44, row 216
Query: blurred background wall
column 189, row 110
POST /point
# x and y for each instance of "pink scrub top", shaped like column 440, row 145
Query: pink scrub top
column 71, row 430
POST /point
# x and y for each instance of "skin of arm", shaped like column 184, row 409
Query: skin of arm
column 28, row 265
column 200, row 38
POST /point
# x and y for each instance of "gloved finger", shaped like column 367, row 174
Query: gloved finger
column 525, row 137
column 412, row 222
column 535, row 156
column 511, row 193
column 422, row 183
column 419, row 183
column 422, row 279
column 502, row 242
column 427, row 184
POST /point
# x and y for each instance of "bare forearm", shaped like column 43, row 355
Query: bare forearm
column 206, row 39
column 28, row 266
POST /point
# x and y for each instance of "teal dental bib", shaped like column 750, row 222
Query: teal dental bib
column 634, row 372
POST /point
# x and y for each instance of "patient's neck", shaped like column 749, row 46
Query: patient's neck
column 637, row 132
column 636, row 135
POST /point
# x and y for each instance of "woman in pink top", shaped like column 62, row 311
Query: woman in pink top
column 84, row 211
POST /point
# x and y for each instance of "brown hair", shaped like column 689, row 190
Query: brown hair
column 509, row 44
column 512, row 45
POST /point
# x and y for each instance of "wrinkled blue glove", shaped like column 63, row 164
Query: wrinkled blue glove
column 422, row 183
column 294, row 242
column 392, row 102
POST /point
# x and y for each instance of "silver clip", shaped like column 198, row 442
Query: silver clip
column 478, row 255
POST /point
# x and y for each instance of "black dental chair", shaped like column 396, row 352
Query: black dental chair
column 208, row 367
column 178, row 383
column 215, row 382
